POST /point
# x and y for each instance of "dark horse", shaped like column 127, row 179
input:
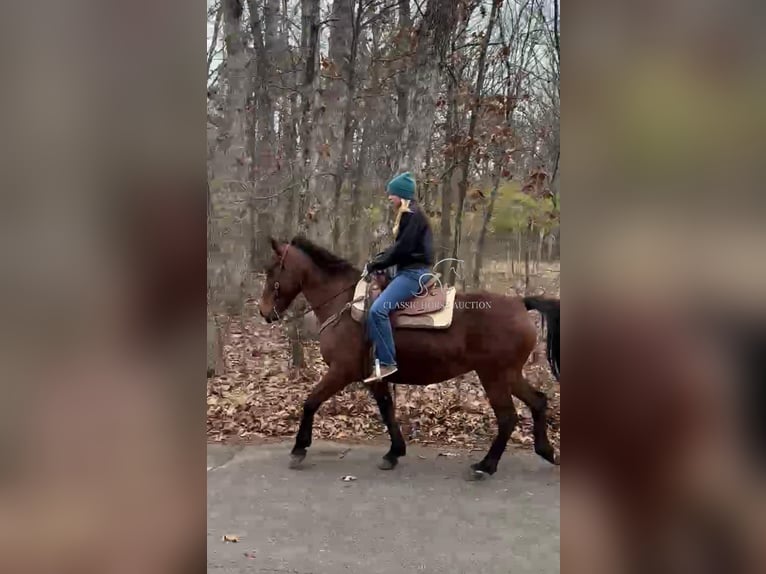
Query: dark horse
column 491, row 334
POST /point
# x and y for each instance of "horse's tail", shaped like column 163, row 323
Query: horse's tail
column 550, row 309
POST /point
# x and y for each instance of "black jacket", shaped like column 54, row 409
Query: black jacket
column 413, row 246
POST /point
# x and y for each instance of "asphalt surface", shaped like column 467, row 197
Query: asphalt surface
column 423, row 516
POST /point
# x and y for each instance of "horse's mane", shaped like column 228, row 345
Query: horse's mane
column 322, row 258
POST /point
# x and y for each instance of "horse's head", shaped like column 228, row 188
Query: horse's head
column 284, row 276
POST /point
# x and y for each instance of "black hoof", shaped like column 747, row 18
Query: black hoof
column 387, row 464
column 476, row 475
column 479, row 472
column 548, row 454
column 296, row 460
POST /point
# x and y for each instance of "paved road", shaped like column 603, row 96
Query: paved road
column 422, row 517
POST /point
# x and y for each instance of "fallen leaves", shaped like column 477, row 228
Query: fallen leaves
column 258, row 396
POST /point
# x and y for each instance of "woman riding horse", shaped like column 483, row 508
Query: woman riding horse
column 412, row 254
column 490, row 333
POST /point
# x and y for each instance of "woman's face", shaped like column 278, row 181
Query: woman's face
column 395, row 200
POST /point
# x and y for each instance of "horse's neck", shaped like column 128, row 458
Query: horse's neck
column 327, row 295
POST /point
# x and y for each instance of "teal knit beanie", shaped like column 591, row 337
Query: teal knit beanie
column 402, row 186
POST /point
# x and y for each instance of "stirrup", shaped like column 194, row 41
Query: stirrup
column 378, row 374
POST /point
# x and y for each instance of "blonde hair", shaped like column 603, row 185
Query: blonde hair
column 403, row 208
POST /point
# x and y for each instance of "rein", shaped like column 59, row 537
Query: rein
column 332, row 319
column 323, row 303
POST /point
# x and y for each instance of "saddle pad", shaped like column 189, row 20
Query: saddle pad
column 440, row 319
column 357, row 309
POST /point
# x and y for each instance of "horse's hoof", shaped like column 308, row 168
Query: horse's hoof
column 476, row 475
column 296, row 461
column 549, row 455
column 475, row 472
column 386, row 464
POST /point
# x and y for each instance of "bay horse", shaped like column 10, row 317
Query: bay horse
column 490, row 333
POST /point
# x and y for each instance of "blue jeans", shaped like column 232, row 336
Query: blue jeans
column 403, row 287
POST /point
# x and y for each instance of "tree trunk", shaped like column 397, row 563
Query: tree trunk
column 526, row 269
column 329, row 130
column 349, row 22
column 448, row 181
column 309, row 99
column 402, row 84
column 288, row 148
column 295, row 335
column 478, row 259
column 432, row 43
column 309, row 152
column 528, row 233
column 263, row 174
column 354, row 236
column 289, row 159
column 468, row 152
column 215, row 356
column 232, row 136
column 424, row 188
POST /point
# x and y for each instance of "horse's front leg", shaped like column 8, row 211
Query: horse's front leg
column 332, row 382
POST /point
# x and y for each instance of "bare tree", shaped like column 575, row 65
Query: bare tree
column 431, row 48
column 313, row 106
column 468, row 148
column 213, row 48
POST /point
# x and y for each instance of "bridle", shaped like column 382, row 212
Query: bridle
column 281, row 268
column 309, row 309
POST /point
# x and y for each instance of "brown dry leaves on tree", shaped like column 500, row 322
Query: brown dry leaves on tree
column 260, row 397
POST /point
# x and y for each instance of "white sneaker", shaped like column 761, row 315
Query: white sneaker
column 385, row 371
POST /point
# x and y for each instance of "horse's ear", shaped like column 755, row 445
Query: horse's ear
column 276, row 246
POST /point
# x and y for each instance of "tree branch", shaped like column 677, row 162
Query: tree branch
column 216, row 27
column 379, row 15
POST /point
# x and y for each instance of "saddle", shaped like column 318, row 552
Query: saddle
column 430, row 308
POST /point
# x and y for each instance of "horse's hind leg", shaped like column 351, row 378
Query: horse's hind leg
column 537, row 403
column 498, row 389
column 385, row 404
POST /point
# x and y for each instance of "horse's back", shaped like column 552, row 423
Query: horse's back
column 487, row 330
